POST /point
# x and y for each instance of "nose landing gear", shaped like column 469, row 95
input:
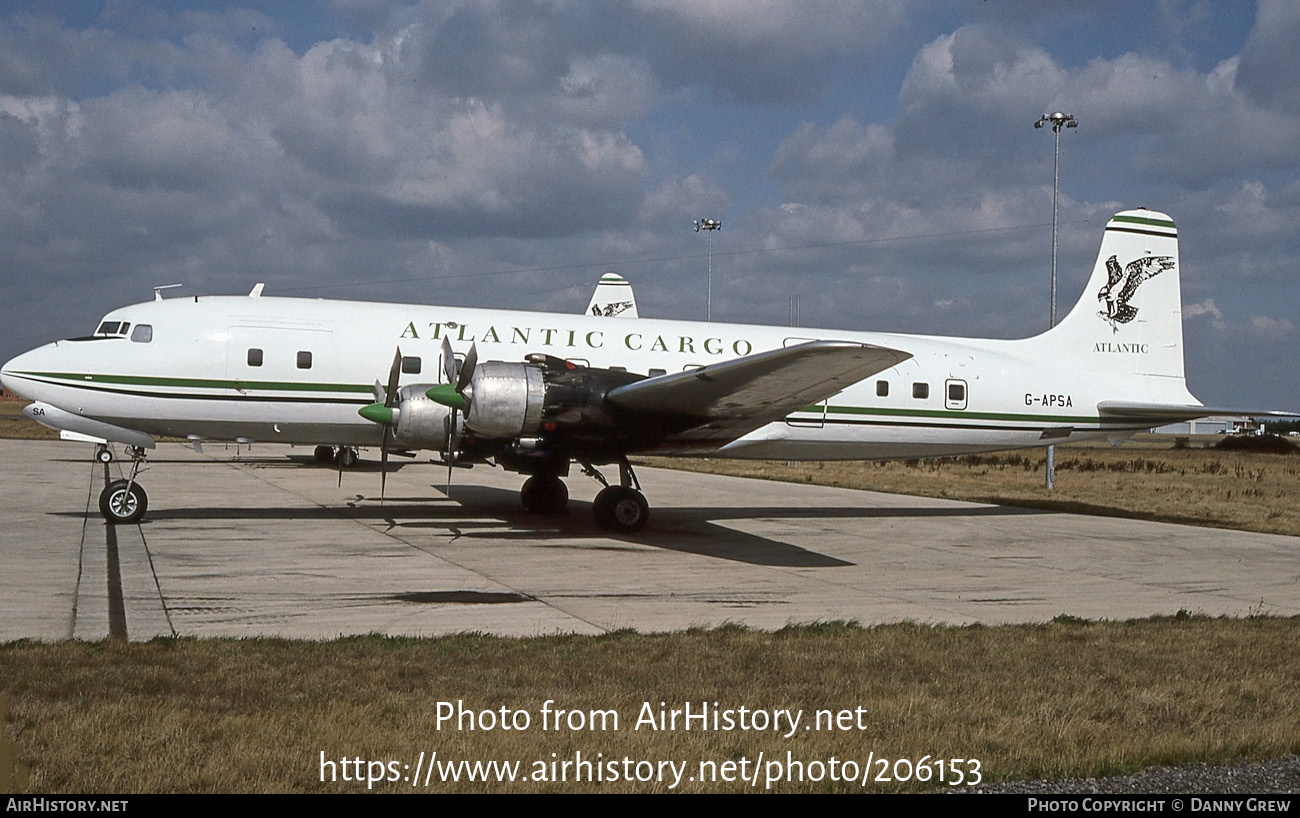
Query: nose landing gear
column 123, row 502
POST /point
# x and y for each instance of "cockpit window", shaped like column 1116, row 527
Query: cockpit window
column 142, row 334
column 113, row 328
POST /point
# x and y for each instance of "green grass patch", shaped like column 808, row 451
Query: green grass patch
column 1063, row 698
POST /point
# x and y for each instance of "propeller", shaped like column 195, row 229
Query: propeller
column 452, row 395
column 384, row 411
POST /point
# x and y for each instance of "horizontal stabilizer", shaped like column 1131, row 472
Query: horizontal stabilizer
column 1168, row 412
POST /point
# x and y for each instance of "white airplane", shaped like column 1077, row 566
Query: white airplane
column 559, row 388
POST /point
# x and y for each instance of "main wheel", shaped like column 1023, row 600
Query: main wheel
column 621, row 508
column 120, row 505
column 346, row 457
column 324, row 454
column 543, row 494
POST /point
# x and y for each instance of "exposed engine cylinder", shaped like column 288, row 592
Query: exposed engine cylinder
column 505, row 399
column 421, row 422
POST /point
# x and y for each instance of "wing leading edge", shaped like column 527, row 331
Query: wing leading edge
column 724, row 401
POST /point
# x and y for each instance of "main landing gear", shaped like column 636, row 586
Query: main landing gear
column 345, row 457
column 622, row 508
column 124, row 501
column 544, row 493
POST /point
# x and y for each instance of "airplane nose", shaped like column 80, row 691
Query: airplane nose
column 4, row 375
column 9, row 376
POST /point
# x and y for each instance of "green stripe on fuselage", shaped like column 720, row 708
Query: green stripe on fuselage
column 200, row 383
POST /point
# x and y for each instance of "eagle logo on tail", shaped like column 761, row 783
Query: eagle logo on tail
column 1127, row 279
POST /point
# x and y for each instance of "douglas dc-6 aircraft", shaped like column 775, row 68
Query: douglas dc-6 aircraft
column 553, row 389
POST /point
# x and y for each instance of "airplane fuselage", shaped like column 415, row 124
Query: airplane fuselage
column 297, row 370
column 538, row 391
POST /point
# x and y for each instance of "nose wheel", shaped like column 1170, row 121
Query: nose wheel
column 123, row 502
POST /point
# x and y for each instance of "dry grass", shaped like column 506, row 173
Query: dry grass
column 1147, row 478
column 1066, row 698
column 13, row 426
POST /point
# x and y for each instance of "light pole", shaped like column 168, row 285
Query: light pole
column 1058, row 121
column 710, row 225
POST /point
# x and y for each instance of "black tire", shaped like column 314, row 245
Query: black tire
column 622, row 509
column 120, row 507
column 324, row 454
column 346, row 457
column 544, row 495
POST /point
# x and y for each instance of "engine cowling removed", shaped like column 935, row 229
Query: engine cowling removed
column 544, row 395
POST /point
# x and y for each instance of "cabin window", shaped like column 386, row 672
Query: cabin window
column 254, row 357
column 109, row 328
column 304, row 359
column 882, row 389
column 920, row 391
column 956, row 394
column 142, row 334
column 411, row 365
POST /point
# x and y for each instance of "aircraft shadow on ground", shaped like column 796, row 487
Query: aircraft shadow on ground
column 471, row 513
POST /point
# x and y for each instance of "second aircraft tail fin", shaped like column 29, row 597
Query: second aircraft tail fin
column 613, row 296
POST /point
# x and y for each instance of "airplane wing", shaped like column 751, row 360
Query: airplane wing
column 1173, row 412
column 716, row 404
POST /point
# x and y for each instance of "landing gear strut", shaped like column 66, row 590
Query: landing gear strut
column 124, row 501
column 622, row 508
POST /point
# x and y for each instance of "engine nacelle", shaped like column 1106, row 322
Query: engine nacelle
column 421, row 422
column 545, row 395
column 505, row 399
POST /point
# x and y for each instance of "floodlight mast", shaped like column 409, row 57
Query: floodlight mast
column 710, row 225
column 1058, row 121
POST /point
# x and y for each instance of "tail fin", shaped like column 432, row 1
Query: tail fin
column 1129, row 318
column 613, row 296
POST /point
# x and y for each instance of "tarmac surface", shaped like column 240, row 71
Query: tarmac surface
column 267, row 543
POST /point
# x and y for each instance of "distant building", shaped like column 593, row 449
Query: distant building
column 5, row 394
column 1209, row 426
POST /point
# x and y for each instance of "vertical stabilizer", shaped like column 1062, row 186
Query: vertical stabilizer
column 1129, row 318
column 613, row 296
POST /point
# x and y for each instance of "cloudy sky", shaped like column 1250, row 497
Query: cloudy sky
column 876, row 159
